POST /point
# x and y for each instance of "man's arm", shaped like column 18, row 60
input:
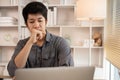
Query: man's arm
column 19, row 57
column 11, row 65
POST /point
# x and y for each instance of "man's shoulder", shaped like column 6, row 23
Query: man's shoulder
column 59, row 42
column 56, row 38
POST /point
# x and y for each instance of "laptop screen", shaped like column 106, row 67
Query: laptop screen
column 56, row 73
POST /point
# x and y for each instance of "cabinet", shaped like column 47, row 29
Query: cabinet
column 61, row 22
column 8, row 30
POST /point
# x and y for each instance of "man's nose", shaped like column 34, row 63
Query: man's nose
column 36, row 25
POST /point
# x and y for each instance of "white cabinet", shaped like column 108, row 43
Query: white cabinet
column 61, row 22
column 8, row 30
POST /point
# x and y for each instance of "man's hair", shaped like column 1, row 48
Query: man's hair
column 34, row 8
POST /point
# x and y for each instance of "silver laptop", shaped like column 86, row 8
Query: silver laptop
column 56, row 73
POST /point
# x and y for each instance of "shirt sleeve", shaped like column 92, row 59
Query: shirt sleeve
column 11, row 67
column 64, row 53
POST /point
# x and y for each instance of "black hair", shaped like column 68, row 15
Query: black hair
column 34, row 8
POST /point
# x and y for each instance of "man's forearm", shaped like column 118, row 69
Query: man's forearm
column 22, row 56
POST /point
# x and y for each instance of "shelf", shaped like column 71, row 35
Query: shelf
column 3, row 63
column 57, row 5
column 78, row 47
column 72, row 25
column 97, row 47
column 52, row 26
column 48, row 26
column 62, row 26
column 77, row 26
column 9, row 6
column 98, row 26
column 86, row 47
column 61, row 5
column 6, row 26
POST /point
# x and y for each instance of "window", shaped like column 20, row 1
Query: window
column 112, row 30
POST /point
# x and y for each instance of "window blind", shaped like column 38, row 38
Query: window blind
column 112, row 32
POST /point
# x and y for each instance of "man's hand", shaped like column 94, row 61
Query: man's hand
column 36, row 35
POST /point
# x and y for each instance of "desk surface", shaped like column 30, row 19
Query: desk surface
column 6, row 77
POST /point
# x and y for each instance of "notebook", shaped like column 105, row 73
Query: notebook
column 56, row 73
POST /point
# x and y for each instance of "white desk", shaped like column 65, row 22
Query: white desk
column 5, row 77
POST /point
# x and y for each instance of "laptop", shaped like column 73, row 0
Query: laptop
column 56, row 73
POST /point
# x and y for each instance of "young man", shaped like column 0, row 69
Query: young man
column 41, row 49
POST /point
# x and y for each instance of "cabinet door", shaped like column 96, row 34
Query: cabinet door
column 97, row 55
column 81, row 57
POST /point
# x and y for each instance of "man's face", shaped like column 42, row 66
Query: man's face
column 36, row 21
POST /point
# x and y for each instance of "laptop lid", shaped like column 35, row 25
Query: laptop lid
column 56, row 73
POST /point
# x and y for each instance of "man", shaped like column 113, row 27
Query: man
column 41, row 49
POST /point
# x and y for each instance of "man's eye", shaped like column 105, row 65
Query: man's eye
column 39, row 20
column 32, row 22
